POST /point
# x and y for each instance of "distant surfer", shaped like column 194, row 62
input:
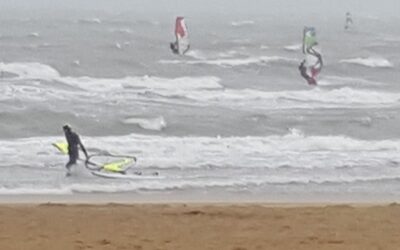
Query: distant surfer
column 181, row 44
column 349, row 21
column 312, row 64
column 314, row 70
column 303, row 72
column 74, row 142
column 317, row 67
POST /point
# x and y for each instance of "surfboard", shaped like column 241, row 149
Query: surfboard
column 136, row 175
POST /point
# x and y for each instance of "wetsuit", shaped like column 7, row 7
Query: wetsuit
column 73, row 143
column 174, row 47
column 315, row 69
column 303, row 72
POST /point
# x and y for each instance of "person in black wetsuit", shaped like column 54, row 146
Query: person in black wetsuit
column 73, row 143
column 174, row 47
column 303, row 72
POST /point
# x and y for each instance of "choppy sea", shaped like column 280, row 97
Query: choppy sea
column 232, row 115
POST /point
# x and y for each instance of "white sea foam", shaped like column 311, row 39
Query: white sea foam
column 235, row 62
column 164, row 86
column 141, row 184
column 76, row 63
column 316, row 98
column 35, row 190
column 118, row 45
column 201, row 90
column 191, row 90
column 93, row 20
column 242, row 23
column 347, row 81
column 391, row 39
column 195, row 54
column 30, row 70
column 34, row 34
column 24, row 83
column 373, row 62
column 196, row 152
column 157, row 123
column 124, row 30
column 294, row 47
column 235, row 161
column 229, row 54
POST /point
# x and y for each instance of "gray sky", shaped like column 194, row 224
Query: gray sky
column 382, row 8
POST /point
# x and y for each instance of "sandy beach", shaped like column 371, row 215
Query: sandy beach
column 199, row 226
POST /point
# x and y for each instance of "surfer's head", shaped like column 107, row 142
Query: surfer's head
column 66, row 128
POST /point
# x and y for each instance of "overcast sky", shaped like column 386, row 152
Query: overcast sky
column 382, row 8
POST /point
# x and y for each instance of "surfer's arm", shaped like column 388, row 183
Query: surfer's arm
column 301, row 65
column 313, row 52
column 83, row 149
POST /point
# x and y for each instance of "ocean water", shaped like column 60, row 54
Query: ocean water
column 232, row 117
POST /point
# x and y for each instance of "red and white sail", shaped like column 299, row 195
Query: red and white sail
column 182, row 36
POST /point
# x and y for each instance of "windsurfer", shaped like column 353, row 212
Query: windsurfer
column 303, row 72
column 315, row 69
column 181, row 44
column 73, row 142
column 349, row 21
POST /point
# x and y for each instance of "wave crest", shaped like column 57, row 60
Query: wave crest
column 372, row 62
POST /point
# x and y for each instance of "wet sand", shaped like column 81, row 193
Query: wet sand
column 199, row 226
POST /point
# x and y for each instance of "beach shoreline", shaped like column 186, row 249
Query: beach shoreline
column 200, row 196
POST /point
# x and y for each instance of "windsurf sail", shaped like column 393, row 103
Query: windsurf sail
column 103, row 161
column 309, row 38
column 182, row 36
column 312, row 57
column 62, row 147
column 110, row 162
